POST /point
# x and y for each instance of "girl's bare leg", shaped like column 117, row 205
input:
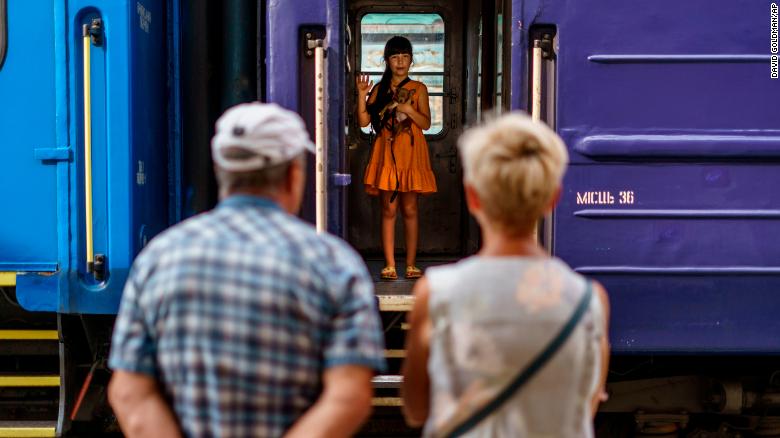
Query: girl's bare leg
column 389, row 211
column 411, row 226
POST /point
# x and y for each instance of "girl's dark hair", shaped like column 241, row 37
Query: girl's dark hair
column 395, row 46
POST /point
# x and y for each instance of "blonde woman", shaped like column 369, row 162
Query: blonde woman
column 518, row 340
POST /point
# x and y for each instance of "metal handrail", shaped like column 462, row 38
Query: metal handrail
column 87, row 44
column 536, row 110
column 536, row 82
column 321, row 159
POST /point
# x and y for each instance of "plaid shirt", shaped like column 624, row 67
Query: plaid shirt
column 238, row 311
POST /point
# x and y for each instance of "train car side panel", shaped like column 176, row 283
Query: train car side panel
column 672, row 129
column 286, row 86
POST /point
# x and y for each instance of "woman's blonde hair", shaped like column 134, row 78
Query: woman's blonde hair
column 515, row 165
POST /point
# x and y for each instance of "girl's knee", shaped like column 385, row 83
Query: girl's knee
column 409, row 210
column 389, row 210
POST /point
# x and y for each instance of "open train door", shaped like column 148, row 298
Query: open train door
column 29, row 238
column 305, row 64
column 671, row 117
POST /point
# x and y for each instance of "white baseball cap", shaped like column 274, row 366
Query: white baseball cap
column 251, row 136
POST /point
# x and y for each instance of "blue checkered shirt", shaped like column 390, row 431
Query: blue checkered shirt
column 238, row 311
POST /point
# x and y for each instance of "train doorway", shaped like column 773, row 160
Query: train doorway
column 435, row 30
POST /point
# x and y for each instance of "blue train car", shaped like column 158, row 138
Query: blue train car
column 84, row 122
column 49, row 181
column 671, row 114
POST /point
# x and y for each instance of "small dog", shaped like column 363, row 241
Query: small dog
column 402, row 95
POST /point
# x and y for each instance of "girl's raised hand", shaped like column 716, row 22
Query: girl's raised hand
column 363, row 85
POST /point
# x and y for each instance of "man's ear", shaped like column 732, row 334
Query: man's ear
column 295, row 173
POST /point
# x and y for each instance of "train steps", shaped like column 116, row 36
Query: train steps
column 29, row 382
column 394, row 300
column 29, row 368
column 383, row 385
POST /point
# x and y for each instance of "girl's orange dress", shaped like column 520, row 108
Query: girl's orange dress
column 412, row 163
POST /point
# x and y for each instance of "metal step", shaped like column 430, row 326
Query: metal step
column 395, row 303
column 25, row 429
column 387, row 381
column 395, row 354
column 30, row 373
column 384, row 382
column 29, row 335
column 17, row 381
column 7, row 279
column 394, row 287
column 385, row 401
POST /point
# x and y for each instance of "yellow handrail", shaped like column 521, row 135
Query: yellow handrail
column 88, row 146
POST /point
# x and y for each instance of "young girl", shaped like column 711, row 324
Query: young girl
column 398, row 110
column 482, row 322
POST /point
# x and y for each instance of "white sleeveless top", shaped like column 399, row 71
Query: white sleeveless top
column 491, row 317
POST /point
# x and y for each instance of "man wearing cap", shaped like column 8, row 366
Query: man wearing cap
column 243, row 321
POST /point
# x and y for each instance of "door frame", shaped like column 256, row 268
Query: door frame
column 455, row 87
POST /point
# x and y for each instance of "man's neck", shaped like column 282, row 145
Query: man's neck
column 278, row 198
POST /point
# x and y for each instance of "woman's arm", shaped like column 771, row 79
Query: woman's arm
column 422, row 116
column 601, row 391
column 364, row 87
column 416, row 383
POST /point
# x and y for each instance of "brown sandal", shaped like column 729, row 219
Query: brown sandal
column 388, row 273
column 413, row 272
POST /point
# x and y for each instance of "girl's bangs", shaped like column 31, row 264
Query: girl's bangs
column 397, row 51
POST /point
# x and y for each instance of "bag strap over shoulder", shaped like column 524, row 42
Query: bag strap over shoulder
column 525, row 375
column 378, row 123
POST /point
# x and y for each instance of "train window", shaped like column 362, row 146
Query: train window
column 426, row 32
column 491, row 60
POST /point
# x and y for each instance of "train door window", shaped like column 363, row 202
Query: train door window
column 426, row 31
column 492, row 54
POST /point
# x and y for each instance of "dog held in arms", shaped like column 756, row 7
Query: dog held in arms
column 403, row 123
